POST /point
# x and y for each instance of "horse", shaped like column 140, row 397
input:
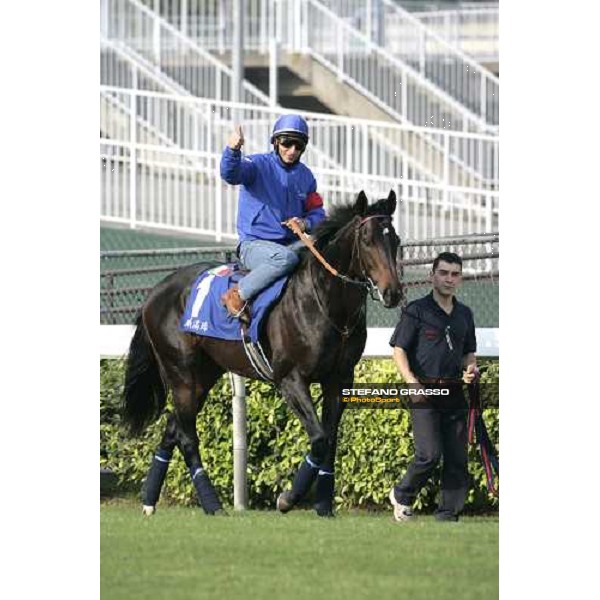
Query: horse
column 315, row 333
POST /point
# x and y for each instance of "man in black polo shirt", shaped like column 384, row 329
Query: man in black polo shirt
column 434, row 343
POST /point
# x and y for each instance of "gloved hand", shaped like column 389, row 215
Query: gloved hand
column 300, row 223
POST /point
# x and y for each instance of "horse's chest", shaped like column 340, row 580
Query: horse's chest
column 336, row 352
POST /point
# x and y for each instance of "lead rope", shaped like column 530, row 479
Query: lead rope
column 477, row 429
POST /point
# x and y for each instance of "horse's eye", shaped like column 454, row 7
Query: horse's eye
column 367, row 236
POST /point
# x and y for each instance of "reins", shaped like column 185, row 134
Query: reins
column 345, row 332
column 368, row 284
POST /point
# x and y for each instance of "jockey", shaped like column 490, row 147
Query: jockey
column 276, row 188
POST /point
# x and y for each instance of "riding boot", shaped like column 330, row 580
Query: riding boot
column 236, row 306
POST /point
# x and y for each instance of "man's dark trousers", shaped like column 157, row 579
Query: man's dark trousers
column 438, row 432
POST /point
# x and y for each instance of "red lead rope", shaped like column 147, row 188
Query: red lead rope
column 477, row 429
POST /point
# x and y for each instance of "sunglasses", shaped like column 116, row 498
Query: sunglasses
column 289, row 142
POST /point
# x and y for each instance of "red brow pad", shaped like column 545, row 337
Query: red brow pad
column 313, row 200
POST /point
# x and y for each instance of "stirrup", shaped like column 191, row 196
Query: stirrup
column 239, row 312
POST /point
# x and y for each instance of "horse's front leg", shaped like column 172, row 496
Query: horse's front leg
column 296, row 392
column 333, row 409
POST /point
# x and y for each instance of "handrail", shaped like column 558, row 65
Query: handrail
column 418, row 23
column 418, row 39
column 472, row 135
column 417, row 100
column 396, row 104
column 127, row 31
column 146, row 183
column 450, row 24
column 295, row 31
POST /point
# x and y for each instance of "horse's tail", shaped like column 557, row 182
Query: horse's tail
column 145, row 393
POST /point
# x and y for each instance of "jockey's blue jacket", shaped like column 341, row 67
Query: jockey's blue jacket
column 271, row 192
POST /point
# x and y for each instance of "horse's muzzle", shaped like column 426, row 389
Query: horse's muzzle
column 391, row 297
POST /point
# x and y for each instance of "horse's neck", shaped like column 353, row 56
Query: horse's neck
column 336, row 296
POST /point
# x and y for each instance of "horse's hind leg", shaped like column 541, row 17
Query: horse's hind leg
column 188, row 400
column 159, row 467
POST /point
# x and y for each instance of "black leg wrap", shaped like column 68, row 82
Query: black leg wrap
column 155, row 478
column 207, row 495
column 304, row 479
column 324, row 494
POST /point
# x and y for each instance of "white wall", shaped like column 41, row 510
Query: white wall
column 114, row 341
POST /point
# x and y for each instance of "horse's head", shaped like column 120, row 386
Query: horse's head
column 376, row 245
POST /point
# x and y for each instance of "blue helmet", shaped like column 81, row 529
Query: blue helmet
column 290, row 124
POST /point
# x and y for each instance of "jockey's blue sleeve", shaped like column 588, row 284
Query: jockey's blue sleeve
column 235, row 169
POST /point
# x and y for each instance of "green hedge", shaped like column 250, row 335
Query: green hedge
column 374, row 449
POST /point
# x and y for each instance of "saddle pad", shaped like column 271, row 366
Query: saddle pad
column 205, row 315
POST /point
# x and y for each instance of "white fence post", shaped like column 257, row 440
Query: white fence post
column 240, row 448
column 183, row 23
column 273, row 74
column 340, row 52
column 156, row 32
column 133, row 150
column 446, row 183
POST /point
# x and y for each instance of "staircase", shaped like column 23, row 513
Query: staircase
column 418, row 43
column 347, row 71
column 471, row 29
column 421, row 162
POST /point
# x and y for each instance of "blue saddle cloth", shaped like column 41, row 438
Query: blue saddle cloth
column 205, row 315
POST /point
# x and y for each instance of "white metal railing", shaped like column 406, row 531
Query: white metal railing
column 146, row 183
column 394, row 86
column 155, row 41
column 475, row 31
column 394, row 45
column 209, row 22
column 436, row 58
column 122, row 66
column 307, row 26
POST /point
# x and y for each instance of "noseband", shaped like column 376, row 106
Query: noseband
column 366, row 282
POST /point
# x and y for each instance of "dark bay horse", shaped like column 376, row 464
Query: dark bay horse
column 316, row 333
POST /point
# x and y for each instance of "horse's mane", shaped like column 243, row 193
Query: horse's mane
column 337, row 219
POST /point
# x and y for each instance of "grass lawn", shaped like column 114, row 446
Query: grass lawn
column 180, row 553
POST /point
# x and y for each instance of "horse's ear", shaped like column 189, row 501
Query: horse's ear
column 361, row 204
column 391, row 202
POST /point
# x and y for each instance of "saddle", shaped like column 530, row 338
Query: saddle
column 206, row 315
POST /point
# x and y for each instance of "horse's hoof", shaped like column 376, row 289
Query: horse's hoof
column 325, row 513
column 148, row 511
column 220, row 512
column 284, row 502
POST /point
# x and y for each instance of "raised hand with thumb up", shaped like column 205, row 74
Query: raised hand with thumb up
column 236, row 140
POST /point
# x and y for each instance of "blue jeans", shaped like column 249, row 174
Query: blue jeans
column 266, row 261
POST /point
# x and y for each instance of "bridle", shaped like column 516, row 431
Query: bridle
column 364, row 281
column 372, row 289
